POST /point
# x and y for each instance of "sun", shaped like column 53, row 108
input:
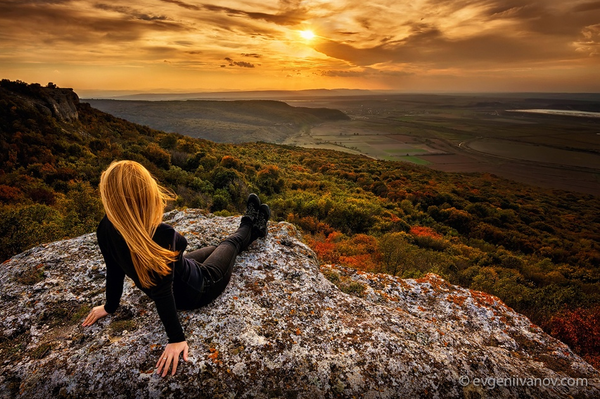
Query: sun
column 307, row 34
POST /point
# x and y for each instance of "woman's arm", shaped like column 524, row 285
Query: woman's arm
column 167, row 311
column 115, row 276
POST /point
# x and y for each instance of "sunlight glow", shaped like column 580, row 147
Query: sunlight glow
column 307, row 34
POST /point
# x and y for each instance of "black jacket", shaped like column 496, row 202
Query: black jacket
column 171, row 292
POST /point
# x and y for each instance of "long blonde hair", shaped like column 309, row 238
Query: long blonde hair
column 134, row 203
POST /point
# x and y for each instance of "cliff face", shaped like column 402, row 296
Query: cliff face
column 281, row 329
column 62, row 103
column 49, row 100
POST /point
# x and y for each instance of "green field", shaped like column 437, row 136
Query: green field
column 473, row 133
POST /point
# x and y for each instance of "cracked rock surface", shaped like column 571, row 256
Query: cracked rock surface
column 280, row 329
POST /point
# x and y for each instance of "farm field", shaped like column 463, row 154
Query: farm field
column 534, row 152
column 471, row 134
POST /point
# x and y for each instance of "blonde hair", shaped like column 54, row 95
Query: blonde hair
column 134, row 203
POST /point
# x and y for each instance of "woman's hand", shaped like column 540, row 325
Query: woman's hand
column 97, row 313
column 171, row 357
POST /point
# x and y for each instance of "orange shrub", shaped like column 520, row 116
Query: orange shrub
column 420, row 231
column 580, row 329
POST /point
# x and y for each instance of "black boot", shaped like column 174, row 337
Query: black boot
column 252, row 208
column 259, row 228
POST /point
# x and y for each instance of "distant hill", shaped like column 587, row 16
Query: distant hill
column 221, row 121
column 283, row 95
column 536, row 249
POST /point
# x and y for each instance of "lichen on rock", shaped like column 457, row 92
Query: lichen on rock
column 280, row 329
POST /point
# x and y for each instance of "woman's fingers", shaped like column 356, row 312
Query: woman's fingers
column 163, row 364
column 175, row 363
column 89, row 320
column 185, row 353
column 166, row 366
column 94, row 315
column 160, row 363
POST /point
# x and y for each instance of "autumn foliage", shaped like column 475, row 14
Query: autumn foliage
column 580, row 329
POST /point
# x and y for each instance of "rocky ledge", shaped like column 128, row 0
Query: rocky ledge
column 281, row 329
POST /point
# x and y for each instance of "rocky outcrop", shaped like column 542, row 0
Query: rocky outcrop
column 62, row 103
column 281, row 329
column 50, row 100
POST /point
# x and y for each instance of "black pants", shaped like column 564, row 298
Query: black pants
column 216, row 263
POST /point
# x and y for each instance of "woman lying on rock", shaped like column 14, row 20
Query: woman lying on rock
column 135, row 243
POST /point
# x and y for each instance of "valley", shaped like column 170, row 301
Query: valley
column 557, row 149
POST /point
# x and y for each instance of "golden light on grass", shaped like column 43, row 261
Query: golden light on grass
column 307, row 34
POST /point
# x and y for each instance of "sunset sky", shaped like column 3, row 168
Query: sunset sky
column 414, row 46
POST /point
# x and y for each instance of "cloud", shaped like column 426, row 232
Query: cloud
column 244, row 64
column 130, row 12
column 292, row 16
column 363, row 73
column 592, row 6
column 182, row 4
column 344, row 74
column 463, row 34
column 55, row 24
column 590, row 40
column 253, row 55
column 238, row 63
column 432, row 47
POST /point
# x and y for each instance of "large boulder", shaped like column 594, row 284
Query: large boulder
column 280, row 329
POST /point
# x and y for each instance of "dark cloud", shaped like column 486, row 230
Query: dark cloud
column 130, row 12
column 238, row 63
column 364, row 22
column 253, row 55
column 432, row 47
column 587, row 7
column 182, row 4
column 51, row 24
column 344, row 74
column 293, row 17
column 39, row 2
column 544, row 17
column 244, row 64
column 594, row 5
column 293, row 14
column 160, row 50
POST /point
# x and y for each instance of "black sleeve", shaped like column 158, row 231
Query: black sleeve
column 115, row 277
column 167, row 311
